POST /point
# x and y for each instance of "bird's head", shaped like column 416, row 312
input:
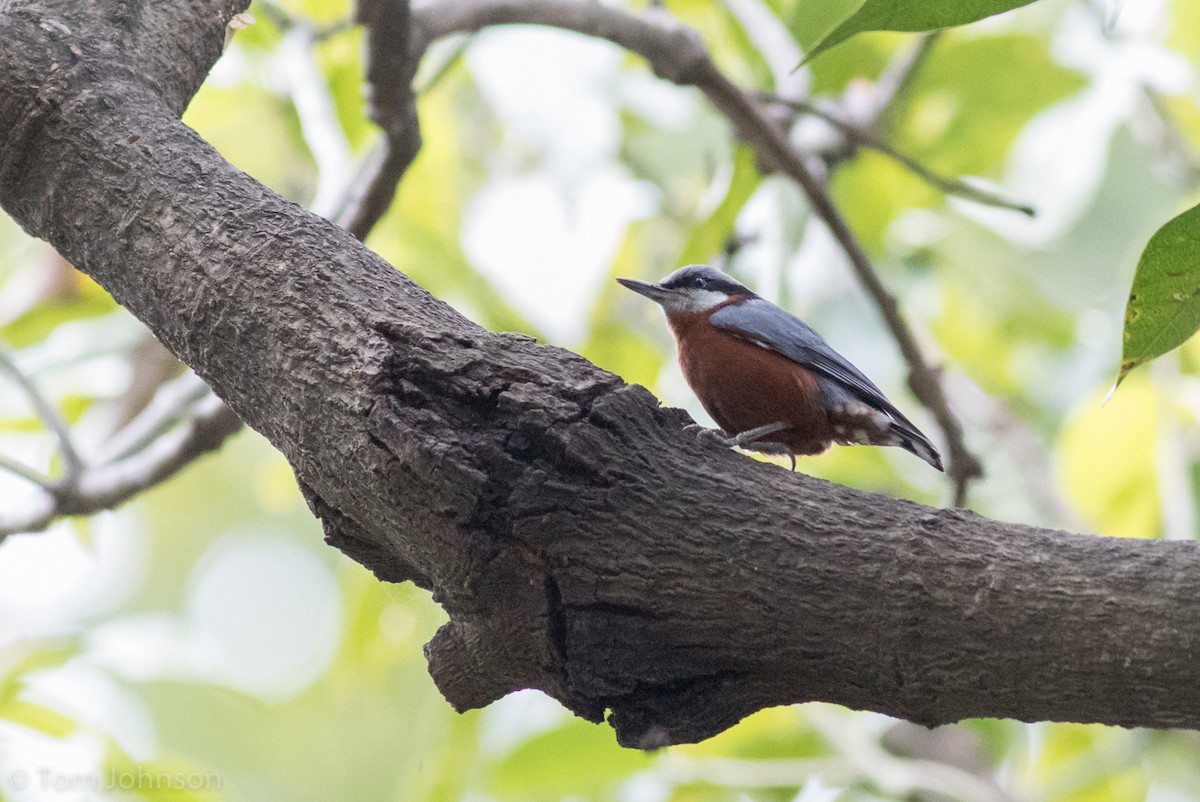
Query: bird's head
column 695, row 288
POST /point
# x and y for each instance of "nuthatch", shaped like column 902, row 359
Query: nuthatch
column 768, row 380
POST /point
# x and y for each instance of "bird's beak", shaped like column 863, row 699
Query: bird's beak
column 655, row 292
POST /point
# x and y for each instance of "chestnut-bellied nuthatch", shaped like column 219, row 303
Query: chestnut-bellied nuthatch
column 768, row 380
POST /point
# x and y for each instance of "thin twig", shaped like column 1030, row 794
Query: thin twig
column 895, row 776
column 22, row 471
column 676, row 53
column 106, row 486
column 859, row 136
column 171, row 405
column 858, row 759
column 945, row 184
column 365, row 198
column 73, row 465
column 894, row 83
column 180, row 423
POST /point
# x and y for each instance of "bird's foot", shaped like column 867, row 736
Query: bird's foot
column 746, row 438
column 713, row 435
column 749, row 439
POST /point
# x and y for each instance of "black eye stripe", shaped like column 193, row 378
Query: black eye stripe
column 706, row 281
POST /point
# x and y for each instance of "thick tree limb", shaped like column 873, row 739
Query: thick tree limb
column 581, row 542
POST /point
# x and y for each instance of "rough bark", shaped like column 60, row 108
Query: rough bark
column 581, row 542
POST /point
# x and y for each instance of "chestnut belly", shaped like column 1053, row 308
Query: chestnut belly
column 744, row 386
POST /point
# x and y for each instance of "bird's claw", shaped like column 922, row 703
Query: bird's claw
column 748, row 440
column 712, row 435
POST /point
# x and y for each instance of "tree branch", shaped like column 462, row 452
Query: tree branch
column 860, row 136
column 677, row 54
column 183, row 422
column 391, row 65
column 580, row 540
column 858, row 759
column 18, row 469
column 50, row 417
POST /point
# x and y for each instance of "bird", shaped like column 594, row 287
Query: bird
column 766, row 377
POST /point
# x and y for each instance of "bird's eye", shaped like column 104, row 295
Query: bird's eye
column 699, row 283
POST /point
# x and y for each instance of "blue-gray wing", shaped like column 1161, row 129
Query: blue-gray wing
column 768, row 325
column 765, row 323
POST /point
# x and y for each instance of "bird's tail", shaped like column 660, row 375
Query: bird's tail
column 910, row 438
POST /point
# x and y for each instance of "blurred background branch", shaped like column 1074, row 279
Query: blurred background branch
column 855, row 135
column 390, row 66
column 183, row 421
column 73, row 464
column 929, row 768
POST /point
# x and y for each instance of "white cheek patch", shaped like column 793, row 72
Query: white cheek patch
column 695, row 300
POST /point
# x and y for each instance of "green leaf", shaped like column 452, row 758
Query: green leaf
column 961, row 115
column 708, row 239
column 1164, row 304
column 861, row 58
column 41, row 719
column 972, row 99
column 814, row 22
column 886, row 15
